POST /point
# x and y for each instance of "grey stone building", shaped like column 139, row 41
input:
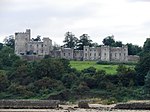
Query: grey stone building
column 25, row 46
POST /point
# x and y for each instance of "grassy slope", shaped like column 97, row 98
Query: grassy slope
column 80, row 65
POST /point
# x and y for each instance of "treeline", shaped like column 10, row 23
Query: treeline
column 71, row 41
column 55, row 79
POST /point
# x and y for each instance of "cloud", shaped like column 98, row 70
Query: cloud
column 139, row 0
column 98, row 18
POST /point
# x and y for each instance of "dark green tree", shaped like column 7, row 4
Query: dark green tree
column 10, row 41
column 69, row 80
column 84, row 41
column 70, row 40
column 143, row 65
column 7, row 57
column 118, row 44
column 4, row 82
column 142, row 68
column 147, row 83
column 38, row 38
column 146, row 47
column 133, row 49
column 109, row 40
column 1, row 45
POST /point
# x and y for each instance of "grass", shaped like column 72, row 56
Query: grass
column 80, row 65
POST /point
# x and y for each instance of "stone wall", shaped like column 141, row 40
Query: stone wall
column 28, row 104
column 133, row 58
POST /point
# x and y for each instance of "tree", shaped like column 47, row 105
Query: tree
column 109, row 40
column 7, row 57
column 38, row 38
column 1, row 46
column 143, row 65
column 142, row 68
column 147, row 83
column 10, row 41
column 118, row 44
column 3, row 81
column 70, row 40
column 84, row 41
column 122, row 69
column 133, row 49
column 146, row 47
column 69, row 79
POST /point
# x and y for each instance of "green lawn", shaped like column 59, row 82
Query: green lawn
column 80, row 65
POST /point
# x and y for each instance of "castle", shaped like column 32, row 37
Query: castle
column 25, row 46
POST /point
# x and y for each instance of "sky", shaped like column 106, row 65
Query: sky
column 127, row 20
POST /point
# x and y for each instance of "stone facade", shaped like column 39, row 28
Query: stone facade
column 106, row 53
column 27, row 47
column 24, row 45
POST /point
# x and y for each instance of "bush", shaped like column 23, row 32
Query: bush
column 115, row 63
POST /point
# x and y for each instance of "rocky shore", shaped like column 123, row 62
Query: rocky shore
column 83, row 106
column 74, row 108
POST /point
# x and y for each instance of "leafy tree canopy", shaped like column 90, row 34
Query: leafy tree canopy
column 84, row 41
column 10, row 41
column 70, row 40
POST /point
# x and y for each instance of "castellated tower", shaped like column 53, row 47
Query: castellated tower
column 21, row 42
column 105, row 53
column 24, row 45
column 47, row 45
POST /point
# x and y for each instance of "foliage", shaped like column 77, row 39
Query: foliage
column 115, row 63
column 109, row 40
column 7, row 57
column 84, row 41
column 143, row 65
column 4, row 82
column 146, row 47
column 10, row 41
column 38, row 38
column 133, row 49
column 147, row 83
column 70, row 40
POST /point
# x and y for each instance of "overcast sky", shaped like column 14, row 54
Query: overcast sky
column 127, row 20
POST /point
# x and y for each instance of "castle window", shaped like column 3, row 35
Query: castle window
column 41, row 51
column 69, row 54
column 42, row 45
column 124, row 54
column 90, row 54
column 115, row 54
column 99, row 54
column 64, row 54
column 95, row 54
column 37, row 45
column 85, row 49
column 105, row 54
